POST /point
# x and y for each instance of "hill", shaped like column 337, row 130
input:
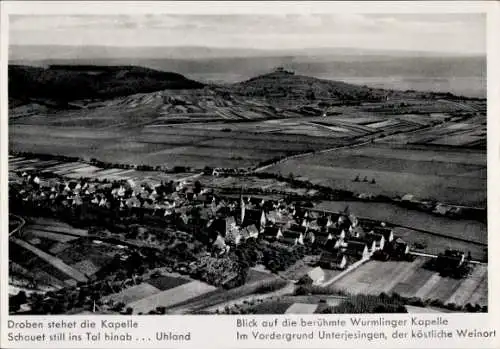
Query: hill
column 65, row 83
column 284, row 84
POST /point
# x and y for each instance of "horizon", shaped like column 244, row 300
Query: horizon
column 447, row 34
column 297, row 50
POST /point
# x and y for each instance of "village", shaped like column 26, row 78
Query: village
column 192, row 230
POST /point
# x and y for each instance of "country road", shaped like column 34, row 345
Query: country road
column 355, row 144
column 20, row 226
column 288, row 289
column 297, row 156
column 435, row 256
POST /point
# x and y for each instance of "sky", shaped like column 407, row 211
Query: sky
column 450, row 33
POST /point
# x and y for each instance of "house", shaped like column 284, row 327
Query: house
column 233, row 237
column 219, row 246
column 309, row 237
column 341, row 235
column 321, row 240
column 370, row 243
column 317, row 275
column 312, row 215
column 450, row 260
column 276, row 217
column 293, row 234
column 289, row 241
column 402, row 248
column 272, row 233
column 356, row 231
column 332, row 245
column 378, row 239
column 356, row 249
column 330, row 222
column 250, row 232
column 386, row 232
column 343, row 222
column 314, row 225
column 253, row 216
column 333, row 261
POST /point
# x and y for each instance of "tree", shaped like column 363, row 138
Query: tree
column 197, row 187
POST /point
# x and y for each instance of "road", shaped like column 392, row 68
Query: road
column 297, row 156
column 362, row 141
column 19, row 227
column 408, row 227
column 435, row 256
column 287, row 290
column 57, row 263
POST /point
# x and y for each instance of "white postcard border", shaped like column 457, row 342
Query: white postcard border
column 219, row 325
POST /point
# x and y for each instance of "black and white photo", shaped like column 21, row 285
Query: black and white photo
column 237, row 164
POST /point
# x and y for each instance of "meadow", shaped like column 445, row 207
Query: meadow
column 449, row 176
column 411, row 279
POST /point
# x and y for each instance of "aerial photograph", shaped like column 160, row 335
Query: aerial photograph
column 170, row 164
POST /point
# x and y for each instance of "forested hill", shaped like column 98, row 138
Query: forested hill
column 288, row 84
column 64, row 83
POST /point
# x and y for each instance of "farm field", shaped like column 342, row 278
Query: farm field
column 132, row 294
column 77, row 170
column 171, row 296
column 88, row 254
column 151, row 129
column 218, row 296
column 411, row 279
column 464, row 229
column 435, row 244
column 301, row 308
column 169, row 146
column 257, row 274
column 57, row 263
column 63, row 242
column 447, row 176
column 295, row 304
column 228, row 184
column 165, row 282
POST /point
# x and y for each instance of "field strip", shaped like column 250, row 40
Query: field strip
column 468, row 287
column 108, row 171
column 393, row 278
column 171, row 296
column 87, row 169
column 62, row 166
column 428, row 286
column 58, row 248
column 401, row 275
column 301, row 308
column 133, row 293
column 59, row 229
column 480, row 294
column 51, row 222
column 48, row 163
column 27, row 168
column 54, row 261
column 444, row 289
column 421, row 310
column 23, row 162
column 50, row 235
column 71, row 168
column 65, row 171
column 287, row 290
column 86, row 266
